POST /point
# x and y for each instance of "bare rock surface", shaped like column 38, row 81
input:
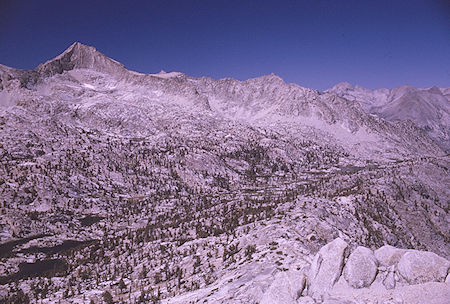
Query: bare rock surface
column 285, row 289
column 420, row 267
column 337, row 301
column 365, row 280
column 389, row 280
column 431, row 292
column 361, row 268
column 306, row 300
column 389, row 255
column 326, row 267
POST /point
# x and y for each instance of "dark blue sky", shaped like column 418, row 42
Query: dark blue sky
column 314, row 43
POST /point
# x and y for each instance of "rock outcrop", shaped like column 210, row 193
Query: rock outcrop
column 80, row 56
column 285, row 289
column 388, row 275
column 326, row 268
column 388, row 255
column 420, row 267
column 361, row 268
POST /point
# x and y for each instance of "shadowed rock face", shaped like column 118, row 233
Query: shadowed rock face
column 25, row 79
column 60, row 64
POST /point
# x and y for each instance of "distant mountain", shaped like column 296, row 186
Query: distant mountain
column 427, row 108
column 266, row 100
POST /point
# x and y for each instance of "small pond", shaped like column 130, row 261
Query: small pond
column 43, row 268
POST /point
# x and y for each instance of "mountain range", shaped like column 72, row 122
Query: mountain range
column 428, row 108
column 119, row 186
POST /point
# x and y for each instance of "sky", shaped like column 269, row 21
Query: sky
column 314, row 43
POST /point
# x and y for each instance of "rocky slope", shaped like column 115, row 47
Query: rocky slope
column 128, row 187
column 427, row 108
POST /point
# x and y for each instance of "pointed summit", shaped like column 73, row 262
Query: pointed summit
column 79, row 56
column 435, row 90
column 341, row 86
column 270, row 78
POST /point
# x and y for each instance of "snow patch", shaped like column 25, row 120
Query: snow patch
column 166, row 75
column 89, row 86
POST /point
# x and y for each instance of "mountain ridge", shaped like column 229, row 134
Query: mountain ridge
column 167, row 188
column 266, row 99
column 428, row 108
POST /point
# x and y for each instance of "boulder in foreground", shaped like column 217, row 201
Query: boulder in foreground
column 326, row 268
column 418, row 267
column 361, row 268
